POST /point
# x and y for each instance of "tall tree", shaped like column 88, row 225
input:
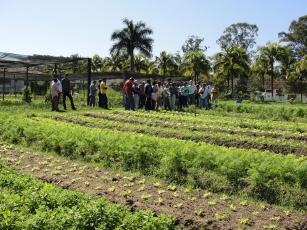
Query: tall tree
column 96, row 63
column 194, row 43
column 271, row 54
column 260, row 68
column 196, row 63
column 297, row 36
column 231, row 63
column 116, row 61
column 134, row 36
column 240, row 34
column 165, row 63
column 298, row 73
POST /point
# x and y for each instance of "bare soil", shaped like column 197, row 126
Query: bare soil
column 193, row 209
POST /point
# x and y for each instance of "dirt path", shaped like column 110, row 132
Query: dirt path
column 192, row 209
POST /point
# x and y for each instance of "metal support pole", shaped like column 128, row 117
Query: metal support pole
column 89, row 78
column 3, row 85
column 15, row 85
column 27, row 78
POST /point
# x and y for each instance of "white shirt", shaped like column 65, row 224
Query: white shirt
column 55, row 90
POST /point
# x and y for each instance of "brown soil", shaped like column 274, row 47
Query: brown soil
column 283, row 149
column 192, row 209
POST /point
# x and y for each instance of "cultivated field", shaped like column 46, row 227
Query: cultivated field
column 236, row 167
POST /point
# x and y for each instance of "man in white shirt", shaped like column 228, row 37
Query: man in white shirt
column 55, row 91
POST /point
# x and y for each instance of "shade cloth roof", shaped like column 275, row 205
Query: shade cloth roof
column 9, row 60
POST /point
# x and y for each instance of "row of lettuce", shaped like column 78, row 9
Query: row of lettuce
column 26, row 203
column 276, row 179
column 220, row 120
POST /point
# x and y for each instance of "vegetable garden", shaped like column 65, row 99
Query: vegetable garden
column 166, row 170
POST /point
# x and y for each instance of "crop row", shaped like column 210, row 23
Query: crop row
column 193, row 127
column 222, row 139
column 26, row 203
column 277, row 179
column 215, row 120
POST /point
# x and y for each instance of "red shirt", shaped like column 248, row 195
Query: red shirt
column 128, row 88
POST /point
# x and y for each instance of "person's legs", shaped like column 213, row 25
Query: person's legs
column 104, row 101
column 131, row 102
column 71, row 101
column 136, row 98
column 64, row 100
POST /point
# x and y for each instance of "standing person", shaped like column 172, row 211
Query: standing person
column 142, row 95
column 103, row 91
column 148, row 95
column 197, row 96
column 67, row 92
column 129, row 101
column 136, row 94
column 99, row 95
column 93, row 91
column 154, row 95
column 55, row 91
column 192, row 89
column 159, row 95
column 173, row 94
column 204, row 95
column 209, row 86
column 166, row 97
column 214, row 93
column 185, row 94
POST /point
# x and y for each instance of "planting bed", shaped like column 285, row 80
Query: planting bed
column 193, row 209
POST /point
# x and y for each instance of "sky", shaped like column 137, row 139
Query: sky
column 84, row 27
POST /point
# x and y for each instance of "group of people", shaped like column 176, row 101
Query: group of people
column 102, row 88
column 151, row 95
column 59, row 88
column 169, row 95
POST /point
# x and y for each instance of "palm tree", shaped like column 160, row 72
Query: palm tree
column 132, row 37
column 232, row 62
column 260, row 68
column 196, row 63
column 165, row 63
column 96, row 63
column 150, row 67
column 272, row 53
column 116, row 61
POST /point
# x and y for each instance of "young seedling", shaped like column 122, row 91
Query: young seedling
column 161, row 191
column 178, row 205
column 98, row 188
column 157, row 185
column 175, row 194
column 244, row 221
column 255, row 213
column 233, row 208
column 221, row 216
column 129, row 185
column 224, row 197
column 192, row 198
column 86, row 183
column 207, row 194
column 199, row 212
column 35, row 169
column 142, row 188
column 146, row 196
column 160, row 201
column 243, row 203
column 75, row 180
column 141, row 181
column 275, row 218
column 130, row 178
column 126, row 193
column 111, row 189
column 212, row 202
column 172, row 188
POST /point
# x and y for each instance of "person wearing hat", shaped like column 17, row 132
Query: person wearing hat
column 129, row 101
